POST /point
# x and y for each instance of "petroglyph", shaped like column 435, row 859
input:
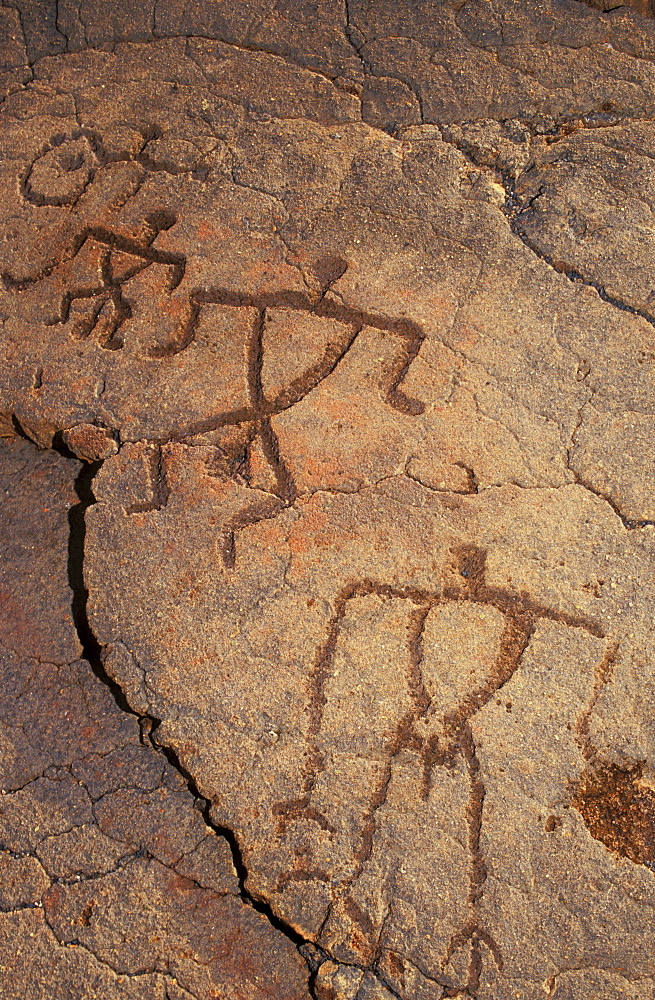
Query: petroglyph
column 94, row 302
column 433, row 725
column 340, row 319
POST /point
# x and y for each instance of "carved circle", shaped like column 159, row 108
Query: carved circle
column 61, row 173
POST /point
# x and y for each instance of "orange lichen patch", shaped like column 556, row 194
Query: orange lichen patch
column 618, row 810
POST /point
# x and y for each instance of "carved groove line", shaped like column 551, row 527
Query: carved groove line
column 521, row 614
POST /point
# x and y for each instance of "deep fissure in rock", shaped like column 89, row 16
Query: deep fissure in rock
column 91, row 648
column 92, row 652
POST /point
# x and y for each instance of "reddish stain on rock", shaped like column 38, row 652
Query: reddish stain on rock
column 619, row 810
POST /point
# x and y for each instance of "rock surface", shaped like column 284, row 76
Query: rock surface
column 112, row 882
column 346, row 315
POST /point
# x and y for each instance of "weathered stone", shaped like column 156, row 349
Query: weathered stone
column 643, row 6
column 111, row 882
column 384, row 753
column 89, row 442
column 349, row 313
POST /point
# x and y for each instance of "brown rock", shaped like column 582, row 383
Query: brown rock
column 90, row 443
column 643, row 6
column 417, row 701
column 111, row 882
column 353, row 307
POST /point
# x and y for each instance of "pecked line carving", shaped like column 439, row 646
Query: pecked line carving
column 67, row 165
column 94, row 301
column 438, row 748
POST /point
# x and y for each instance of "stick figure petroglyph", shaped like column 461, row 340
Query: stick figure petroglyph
column 92, row 298
column 113, row 288
column 439, row 737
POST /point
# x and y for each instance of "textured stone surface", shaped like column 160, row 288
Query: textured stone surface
column 348, row 313
column 111, row 882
